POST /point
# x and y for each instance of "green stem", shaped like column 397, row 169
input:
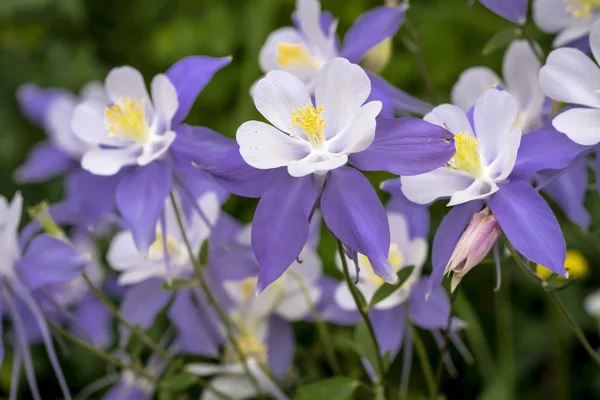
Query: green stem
column 227, row 324
column 365, row 317
column 504, row 343
column 539, row 54
column 417, row 49
column 424, row 361
column 321, row 327
column 576, row 329
column 440, row 364
column 135, row 330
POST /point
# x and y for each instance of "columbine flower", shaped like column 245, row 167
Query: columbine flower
column 474, row 244
column 309, row 145
column 512, row 10
column 571, row 19
column 486, row 167
column 304, row 49
column 44, row 261
column 520, row 70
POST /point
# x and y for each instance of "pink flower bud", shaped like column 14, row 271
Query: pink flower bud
column 474, row 244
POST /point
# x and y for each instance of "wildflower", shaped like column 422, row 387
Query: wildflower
column 305, row 48
column 486, row 168
column 592, row 304
column 512, row 10
column 314, row 142
column 571, row 19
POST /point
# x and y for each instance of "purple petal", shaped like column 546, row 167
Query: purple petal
column 353, row 212
column 390, row 327
column 446, row 237
column 127, row 391
column 401, row 101
column 512, row 10
column 35, row 101
column 95, row 319
column 45, row 161
column 370, row 29
column 280, row 345
column 92, row 195
column 328, row 307
column 430, row 312
column 416, row 215
column 189, row 76
column 547, row 149
column 198, row 144
column 280, row 226
column 196, row 332
column 48, row 261
column 63, row 213
column 236, row 176
column 569, row 191
column 140, row 305
column 140, row 197
column 406, row 146
column 530, row 225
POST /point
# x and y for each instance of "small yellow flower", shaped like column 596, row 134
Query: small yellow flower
column 576, row 265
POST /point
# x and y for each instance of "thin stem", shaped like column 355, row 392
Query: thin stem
column 424, row 361
column 417, row 49
column 321, row 327
column 227, row 324
column 576, row 329
column 363, row 313
column 135, row 330
column 532, row 43
column 439, row 369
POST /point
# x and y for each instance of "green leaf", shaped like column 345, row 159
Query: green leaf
column 366, row 347
column 386, row 289
column 166, row 395
column 338, row 388
column 178, row 382
column 500, row 40
column 203, row 255
column 178, row 284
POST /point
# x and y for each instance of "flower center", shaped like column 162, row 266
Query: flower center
column 295, row 55
column 126, row 119
column 248, row 288
column 248, row 342
column 466, row 157
column 395, row 258
column 309, row 120
column 581, row 8
column 157, row 249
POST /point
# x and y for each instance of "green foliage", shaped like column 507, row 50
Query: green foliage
column 338, row 388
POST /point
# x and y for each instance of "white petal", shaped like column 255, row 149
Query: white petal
column 94, row 90
column 316, row 162
column 503, row 165
column 202, row 369
column 571, row 77
column 595, row 40
column 471, row 84
column 309, row 19
column 164, row 98
column 123, row 252
column 450, row 117
column 277, row 95
column 398, row 230
column 359, row 134
column 126, row 82
column 158, row 146
column 417, row 254
column 581, row 125
column 494, row 116
column 234, row 386
column 551, row 15
column 267, row 58
column 441, row 182
column 88, row 125
column 341, row 88
column 140, row 274
column 343, row 297
column 571, row 34
column 480, row 189
column 398, row 297
column 264, row 147
column 58, row 119
column 309, row 270
column 108, row 161
column 521, row 71
column 294, row 307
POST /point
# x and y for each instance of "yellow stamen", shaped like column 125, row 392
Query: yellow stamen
column 248, row 342
column 395, row 258
column 309, row 120
column 467, row 155
column 582, row 8
column 248, row 288
column 126, row 120
column 156, row 251
column 576, row 265
column 295, row 55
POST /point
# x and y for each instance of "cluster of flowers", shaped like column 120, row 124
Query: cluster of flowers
column 133, row 166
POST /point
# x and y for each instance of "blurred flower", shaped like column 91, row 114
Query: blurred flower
column 571, row 19
column 474, row 244
column 592, row 304
column 378, row 57
column 576, row 265
column 512, row 10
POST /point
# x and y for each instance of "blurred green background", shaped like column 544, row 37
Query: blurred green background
column 523, row 348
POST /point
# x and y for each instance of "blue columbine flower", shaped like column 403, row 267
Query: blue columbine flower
column 512, row 10
column 571, row 20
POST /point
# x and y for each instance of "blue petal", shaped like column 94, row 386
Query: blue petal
column 512, row 10
column 402, row 102
column 429, row 310
column 390, row 327
column 189, row 76
column 354, row 214
column 198, row 144
column 140, row 197
column 45, row 161
column 280, row 226
column 280, row 345
column 530, row 225
column 35, row 101
column 95, row 319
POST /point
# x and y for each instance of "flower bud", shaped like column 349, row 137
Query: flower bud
column 576, row 265
column 377, row 58
column 41, row 213
column 474, row 244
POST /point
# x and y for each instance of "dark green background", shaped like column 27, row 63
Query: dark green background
column 65, row 43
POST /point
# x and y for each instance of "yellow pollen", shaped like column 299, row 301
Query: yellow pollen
column 248, row 288
column 467, row 155
column 248, row 342
column 309, row 120
column 581, row 8
column 395, row 258
column 126, row 119
column 576, row 265
column 295, row 55
column 156, row 250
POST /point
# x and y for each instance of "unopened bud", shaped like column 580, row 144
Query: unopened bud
column 474, row 244
column 378, row 57
column 41, row 213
